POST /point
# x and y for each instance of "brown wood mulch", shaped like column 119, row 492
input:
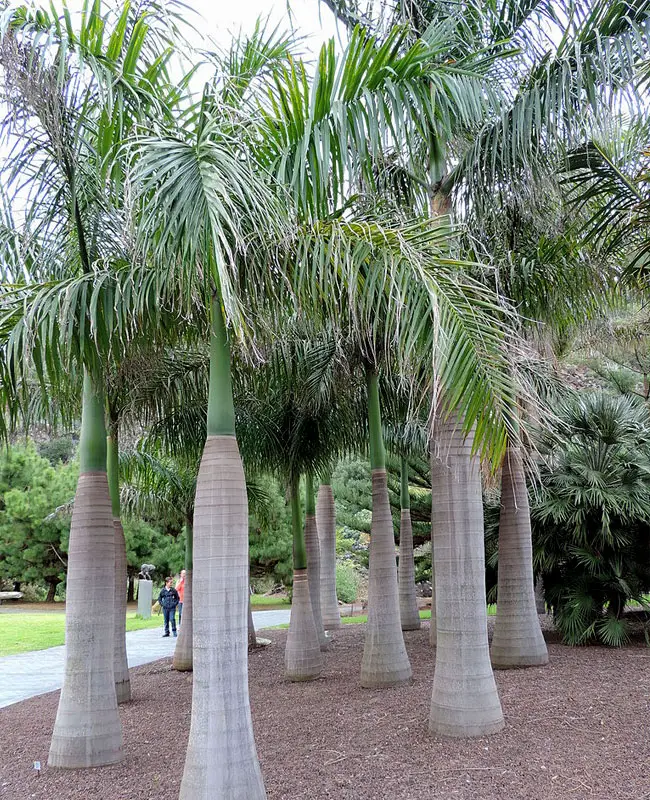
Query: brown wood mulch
column 577, row 729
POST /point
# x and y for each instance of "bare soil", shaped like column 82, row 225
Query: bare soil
column 575, row 730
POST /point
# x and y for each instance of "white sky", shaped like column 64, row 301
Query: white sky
column 310, row 17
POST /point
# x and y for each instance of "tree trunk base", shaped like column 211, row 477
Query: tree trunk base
column 221, row 759
column 326, row 525
column 514, row 660
column 123, row 691
column 183, row 660
column 87, row 731
column 385, row 661
column 465, row 729
column 303, row 660
column 120, row 662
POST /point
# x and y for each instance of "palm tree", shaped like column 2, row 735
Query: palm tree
column 408, row 604
column 312, row 546
column 591, row 515
column 120, row 663
column 518, row 640
column 609, row 179
column 326, row 525
column 533, row 113
column 465, row 701
column 385, row 661
column 296, row 414
column 57, row 77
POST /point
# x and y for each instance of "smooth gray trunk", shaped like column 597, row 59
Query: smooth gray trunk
column 120, row 663
column 87, row 731
column 326, row 524
column 221, row 761
column 408, row 602
column 183, row 652
column 518, row 640
column 464, row 700
column 252, row 635
column 303, row 659
column 385, row 661
column 433, row 627
column 313, row 576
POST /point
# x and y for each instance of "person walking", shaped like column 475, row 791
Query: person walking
column 168, row 599
column 180, row 588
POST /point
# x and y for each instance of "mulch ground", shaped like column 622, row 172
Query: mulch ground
column 576, row 729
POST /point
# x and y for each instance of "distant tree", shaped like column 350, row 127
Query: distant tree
column 147, row 544
column 60, row 449
column 33, row 537
column 269, row 535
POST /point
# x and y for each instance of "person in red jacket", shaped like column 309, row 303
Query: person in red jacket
column 180, row 588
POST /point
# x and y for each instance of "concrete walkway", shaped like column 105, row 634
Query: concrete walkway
column 28, row 674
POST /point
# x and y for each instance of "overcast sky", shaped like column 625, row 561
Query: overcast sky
column 309, row 16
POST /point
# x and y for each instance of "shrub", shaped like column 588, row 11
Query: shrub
column 347, row 583
column 591, row 516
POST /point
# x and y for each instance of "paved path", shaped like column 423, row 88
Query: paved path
column 27, row 674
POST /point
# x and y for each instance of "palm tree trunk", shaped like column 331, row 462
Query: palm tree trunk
column 385, row 662
column 433, row 626
column 408, row 602
column 326, row 524
column 221, row 761
column 252, row 635
column 303, row 660
column 87, row 731
column 464, row 701
column 120, row 663
column 182, row 660
column 313, row 560
column 518, row 640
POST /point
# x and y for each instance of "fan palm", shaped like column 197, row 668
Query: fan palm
column 591, row 515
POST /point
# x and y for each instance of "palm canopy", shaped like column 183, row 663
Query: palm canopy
column 560, row 68
column 73, row 93
column 301, row 409
column 609, row 181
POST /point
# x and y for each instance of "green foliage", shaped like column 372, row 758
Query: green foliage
column 347, row 583
column 270, row 539
column 146, row 544
column 33, row 538
column 61, row 449
column 591, row 517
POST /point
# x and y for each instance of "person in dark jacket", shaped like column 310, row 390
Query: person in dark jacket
column 168, row 599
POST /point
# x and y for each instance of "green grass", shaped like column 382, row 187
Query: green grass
column 20, row 633
column 491, row 610
column 260, row 600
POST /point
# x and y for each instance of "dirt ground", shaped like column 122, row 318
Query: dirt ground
column 575, row 730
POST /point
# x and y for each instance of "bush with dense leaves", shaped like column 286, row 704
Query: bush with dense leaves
column 347, row 583
column 591, row 516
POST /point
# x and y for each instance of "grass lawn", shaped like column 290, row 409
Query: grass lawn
column 491, row 610
column 20, row 633
column 262, row 601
